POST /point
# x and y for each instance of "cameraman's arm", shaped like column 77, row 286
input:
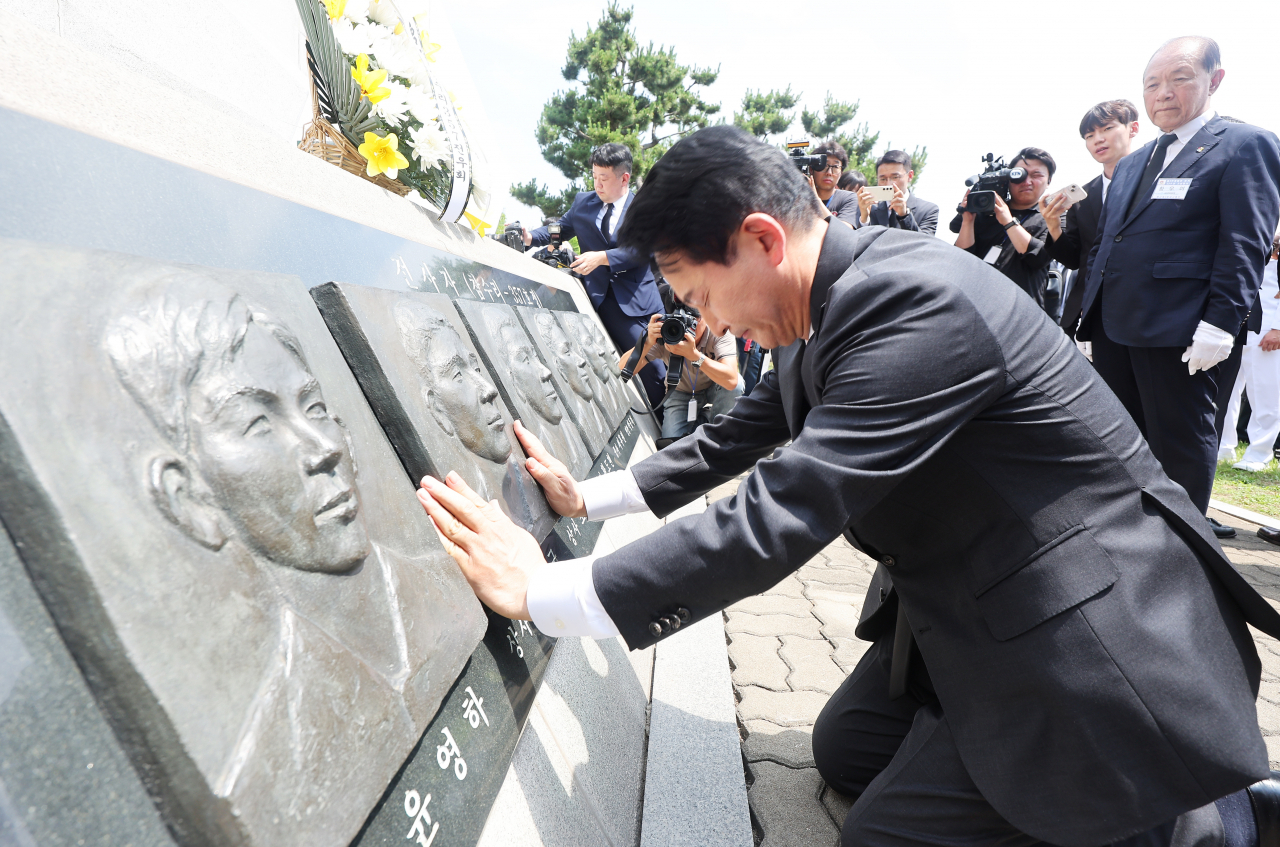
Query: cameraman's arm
column 538, row 237
column 624, row 259
column 966, row 238
column 651, row 335
column 723, row 372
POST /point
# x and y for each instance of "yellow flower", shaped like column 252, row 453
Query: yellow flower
column 335, row 8
column 383, row 155
column 428, row 47
column 477, row 224
column 370, row 81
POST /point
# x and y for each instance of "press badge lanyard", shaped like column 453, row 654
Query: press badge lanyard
column 692, row 414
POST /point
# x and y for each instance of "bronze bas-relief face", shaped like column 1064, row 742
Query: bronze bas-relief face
column 458, row 391
column 275, row 460
column 571, row 363
column 531, row 378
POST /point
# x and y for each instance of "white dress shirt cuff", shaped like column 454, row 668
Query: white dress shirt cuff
column 612, row 494
column 562, row 601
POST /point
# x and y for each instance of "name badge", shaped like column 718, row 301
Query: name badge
column 1171, row 189
column 992, row 255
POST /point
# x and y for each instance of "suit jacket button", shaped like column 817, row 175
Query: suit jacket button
column 888, row 561
column 655, row 629
column 1119, row 238
column 684, row 615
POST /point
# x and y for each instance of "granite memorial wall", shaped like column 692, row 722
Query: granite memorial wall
column 215, row 409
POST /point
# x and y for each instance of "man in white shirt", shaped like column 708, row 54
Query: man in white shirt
column 1260, row 376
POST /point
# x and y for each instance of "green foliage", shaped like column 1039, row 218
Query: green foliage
column 638, row 96
column 767, row 113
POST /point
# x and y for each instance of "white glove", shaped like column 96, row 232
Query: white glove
column 1085, row 347
column 1209, row 346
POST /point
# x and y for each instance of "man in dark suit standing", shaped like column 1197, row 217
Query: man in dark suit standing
column 1185, row 234
column 907, row 210
column 1108, row 130
column 618, row 281
column 1063, row 660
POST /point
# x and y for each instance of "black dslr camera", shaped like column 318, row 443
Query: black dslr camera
column 678, row 324
column 556, row 254
column 512, row 236
column 802, row 160
column 994, row 179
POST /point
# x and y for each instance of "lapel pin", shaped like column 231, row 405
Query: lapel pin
column 1199, row 149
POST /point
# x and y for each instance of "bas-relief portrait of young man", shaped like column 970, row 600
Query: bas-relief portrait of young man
column 607, row 385
column 438, row 391
column 527, row 381
column 244, row 571
column 570, row 371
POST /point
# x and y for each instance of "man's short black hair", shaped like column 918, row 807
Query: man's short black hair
column 831, row 147
column 1120, row 111
column 698, row 194
column 1039, row 155
column 613, row 155
column 895, row 157
column 852, row 180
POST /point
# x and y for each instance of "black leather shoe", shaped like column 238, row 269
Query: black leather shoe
column 1222, row 530
column 1265, row 798
column 1269, row 533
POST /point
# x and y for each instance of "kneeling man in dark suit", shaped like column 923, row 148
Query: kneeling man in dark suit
column 1064, row 660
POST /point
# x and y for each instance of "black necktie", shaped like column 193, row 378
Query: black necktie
column 604, row 224
column 1154, row 167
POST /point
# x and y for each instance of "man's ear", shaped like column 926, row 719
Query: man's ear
column 1133, row 130
column 767, row 232
column 182, row 500
column 1216, row 79
column 437, row 411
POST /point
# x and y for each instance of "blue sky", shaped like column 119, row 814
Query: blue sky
column 962, row 78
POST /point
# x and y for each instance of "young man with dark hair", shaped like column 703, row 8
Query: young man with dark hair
column 618, row 281
column 1012, row 238
column 906, row 210
column 1063, row 657
column 842, row 204
column 1108, row 130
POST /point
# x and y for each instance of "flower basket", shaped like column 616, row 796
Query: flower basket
column 325, row 141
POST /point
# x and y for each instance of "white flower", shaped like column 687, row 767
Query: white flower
column 421, row 104
column 429, row 144
column 396, row 53
column 392, row 108
column 354, row 39
column 357, row 11
column 383, row 12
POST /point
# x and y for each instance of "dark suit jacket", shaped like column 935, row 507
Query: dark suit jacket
column 1082, row 628
column 1079, row 232
column 627, row 272
column 1169, row 264
column 922, row 216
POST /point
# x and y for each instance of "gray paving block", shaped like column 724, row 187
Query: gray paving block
column 773, row 625
column 834, row 576
column 841, row 554
column 849, row 652
column 855, row 594
column 839, row 620
column 836, row 804
column 785, row 708
column 786, row 745
column 791, row 586
column 786, row 805
column 755, row 661
column 772, row 604
column 812, row 665
column 695, row 791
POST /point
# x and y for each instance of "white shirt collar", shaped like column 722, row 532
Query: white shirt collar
column 1193, row 126
column 1106, row 185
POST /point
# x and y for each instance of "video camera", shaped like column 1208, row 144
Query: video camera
column 994, row 179
column 512, row 236
column 556, row 254
column 805, row 162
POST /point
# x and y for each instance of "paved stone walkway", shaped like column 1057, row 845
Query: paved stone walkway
column 791, row 647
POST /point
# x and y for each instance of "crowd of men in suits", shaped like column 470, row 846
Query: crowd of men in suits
column 1061, row 652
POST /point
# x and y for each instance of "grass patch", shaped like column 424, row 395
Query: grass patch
column 1258, row 492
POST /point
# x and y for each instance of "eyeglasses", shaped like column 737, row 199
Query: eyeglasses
column 833, row 169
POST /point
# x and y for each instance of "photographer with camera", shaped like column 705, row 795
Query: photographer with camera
column 706, row 363
column 617, row 280
column 998, row 221
column 904, row 210
column 842, row 204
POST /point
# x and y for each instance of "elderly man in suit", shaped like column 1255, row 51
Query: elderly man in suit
column 618, row 280
column 907, row 210
column 1063, row 660
column 1186, row 230
column 1108, row 130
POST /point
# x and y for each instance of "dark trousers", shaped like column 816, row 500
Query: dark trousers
column 899, row 760
column 1174, row 410
column 626, row 331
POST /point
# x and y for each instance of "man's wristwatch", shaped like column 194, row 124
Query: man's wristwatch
column 701, row 358
column 1011, row 224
